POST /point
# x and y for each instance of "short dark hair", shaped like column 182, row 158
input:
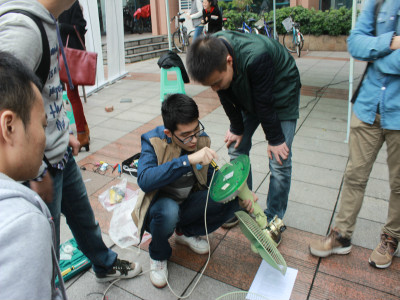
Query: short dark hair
column 16, row 92
column 178, row 109
column 205, row 56
column 213, row 2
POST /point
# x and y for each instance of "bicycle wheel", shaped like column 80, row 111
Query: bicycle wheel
column 288, row 42
column 254, row 31
column 178, row 43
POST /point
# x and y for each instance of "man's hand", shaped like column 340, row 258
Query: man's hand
column 44, row 188
column 247, row 204
column 231, row 137
column 395, row 43
column 74, row 144
column 203, row 156
column 280, row 151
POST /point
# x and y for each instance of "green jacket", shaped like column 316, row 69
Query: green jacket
column 266, row 83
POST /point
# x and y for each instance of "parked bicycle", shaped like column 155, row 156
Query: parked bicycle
column 293, row 39
column 180, row 37
column 248, row 28
column 266, row 28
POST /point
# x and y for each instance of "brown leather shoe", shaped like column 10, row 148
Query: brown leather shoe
column 87, row 131
column 84, row 140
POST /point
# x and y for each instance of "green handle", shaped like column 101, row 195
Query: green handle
column 260, row 217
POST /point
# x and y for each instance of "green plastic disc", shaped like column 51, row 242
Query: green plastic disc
column 229, row 178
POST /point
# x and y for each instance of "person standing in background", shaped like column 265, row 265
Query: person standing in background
column 72, row 22
column 196, row 15
column 212, row 16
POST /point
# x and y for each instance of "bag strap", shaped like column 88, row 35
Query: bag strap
column 44, row 67
column 377, row 8
column 80, row 39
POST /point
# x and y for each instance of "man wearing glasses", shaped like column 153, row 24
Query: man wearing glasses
column 173, row 188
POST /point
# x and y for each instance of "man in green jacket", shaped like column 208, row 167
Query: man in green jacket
column 257, row 81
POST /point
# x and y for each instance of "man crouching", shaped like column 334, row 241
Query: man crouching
column 174, row 191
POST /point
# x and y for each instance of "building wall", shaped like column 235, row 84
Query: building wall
column 159, row 18
column 305, row 3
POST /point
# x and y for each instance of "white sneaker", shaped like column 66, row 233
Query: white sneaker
column 158, row 273
column 195, row 243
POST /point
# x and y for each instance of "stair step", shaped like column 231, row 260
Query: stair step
column 142, row 48
column 141, row 41
column 145, row 48
column 145, row 55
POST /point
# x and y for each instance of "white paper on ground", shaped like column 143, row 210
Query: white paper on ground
column 271, row 284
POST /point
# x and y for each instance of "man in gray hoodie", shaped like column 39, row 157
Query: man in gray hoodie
column 26, row 272
column 60, row 185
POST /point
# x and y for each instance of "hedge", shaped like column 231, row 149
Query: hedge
column 331, row 22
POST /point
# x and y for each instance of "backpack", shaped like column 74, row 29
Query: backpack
column 44, row 67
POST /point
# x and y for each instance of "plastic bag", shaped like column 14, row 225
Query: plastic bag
column 66, row 251
column 123, row 230
column 114, row 195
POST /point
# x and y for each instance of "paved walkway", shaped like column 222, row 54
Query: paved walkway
column 319, row 160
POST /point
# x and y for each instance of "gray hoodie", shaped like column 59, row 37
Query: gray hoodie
column 28, row 263
column 20, row 36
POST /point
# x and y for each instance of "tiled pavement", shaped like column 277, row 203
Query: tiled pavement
column 319, row 159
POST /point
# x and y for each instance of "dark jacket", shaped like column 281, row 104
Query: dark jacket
column 171, row 59
column 266, row 82
column 67, row 20
column 213, row 18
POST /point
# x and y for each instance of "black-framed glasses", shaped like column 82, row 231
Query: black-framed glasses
column 189, row 138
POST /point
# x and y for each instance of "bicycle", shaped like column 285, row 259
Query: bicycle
column 180, row 37
column 265, row 28
column 248, row 28
column 294, row 41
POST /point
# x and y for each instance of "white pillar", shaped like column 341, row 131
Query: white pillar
column 93, row 40
column 115, row 40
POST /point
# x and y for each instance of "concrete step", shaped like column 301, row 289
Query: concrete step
column 142, row 48
column 145, row 55
column 145, row 48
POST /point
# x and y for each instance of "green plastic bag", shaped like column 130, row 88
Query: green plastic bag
column 78, row 262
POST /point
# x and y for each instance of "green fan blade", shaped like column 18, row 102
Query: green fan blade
column 261, row 241
column 230, row 177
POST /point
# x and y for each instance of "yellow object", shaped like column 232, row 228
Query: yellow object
column 116, row 195
column 65, row 272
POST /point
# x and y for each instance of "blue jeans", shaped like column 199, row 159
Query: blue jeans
column 280, row 179
column 71, row 199
column 165, row 214
column 198, row 30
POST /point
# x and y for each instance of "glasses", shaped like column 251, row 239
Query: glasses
column 189, row 138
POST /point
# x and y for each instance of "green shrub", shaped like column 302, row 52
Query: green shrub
column 331, row 22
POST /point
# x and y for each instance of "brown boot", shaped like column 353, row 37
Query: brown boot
column 84, row 140
column 87, row 131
